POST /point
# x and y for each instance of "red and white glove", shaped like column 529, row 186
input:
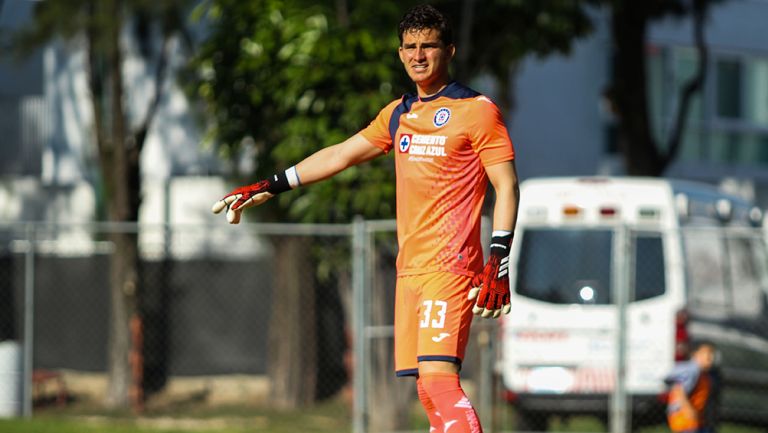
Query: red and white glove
column 491, row 287
column 256, row 194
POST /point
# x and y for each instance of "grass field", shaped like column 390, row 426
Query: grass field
column 329, row 417
column 324, row 418
column 306, row 422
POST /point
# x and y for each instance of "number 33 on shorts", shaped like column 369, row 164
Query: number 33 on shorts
column 433, row 314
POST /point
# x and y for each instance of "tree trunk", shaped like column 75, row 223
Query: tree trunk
column 292, row 329
column 692, row 86
column 628, row 91
column 119, row 163
column 121, row 174
column 124, row 284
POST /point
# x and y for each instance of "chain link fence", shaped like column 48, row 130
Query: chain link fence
column 289, row 315
column 253, row 314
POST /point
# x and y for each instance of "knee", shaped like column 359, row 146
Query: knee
column 437, row 384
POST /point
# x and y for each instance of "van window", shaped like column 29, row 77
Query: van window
column 746, row 256
column 705, row 263
column 565, row 266
column 650, row 272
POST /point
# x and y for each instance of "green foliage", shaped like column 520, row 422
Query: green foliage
column 504, row 31
column 292, row 80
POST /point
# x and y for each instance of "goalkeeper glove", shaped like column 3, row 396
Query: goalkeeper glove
column 256, row 194
column 491, row 287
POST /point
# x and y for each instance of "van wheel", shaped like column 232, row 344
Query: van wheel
column 526, row 421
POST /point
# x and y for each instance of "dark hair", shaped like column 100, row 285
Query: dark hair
column 424, row 17
column 698, row 344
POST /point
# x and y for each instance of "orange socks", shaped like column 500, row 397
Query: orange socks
column 435, row 422
column 447, row 407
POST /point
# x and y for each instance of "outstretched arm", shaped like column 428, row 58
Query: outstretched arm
column 330, row 160
column 320, row 165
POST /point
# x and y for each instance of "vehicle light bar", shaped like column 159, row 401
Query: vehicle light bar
column 571, row 211
column 537, row 213
column 649, row 212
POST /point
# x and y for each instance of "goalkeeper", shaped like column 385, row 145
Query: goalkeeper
column 448, row 141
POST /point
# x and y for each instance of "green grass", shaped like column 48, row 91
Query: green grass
column 55, row 425
column 327, row 417
column 323, row 418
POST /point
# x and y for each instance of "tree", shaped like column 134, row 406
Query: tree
column 119, row 139
column 284, row 78
column 627, row 91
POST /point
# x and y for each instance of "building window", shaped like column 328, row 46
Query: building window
column 742, row 91
column 756, row 76
column 728, row 89
column 728, row 120
column 23, row 128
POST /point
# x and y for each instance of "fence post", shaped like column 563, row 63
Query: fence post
column 487, row 345
column 485, row 381
column 619, row 415
column 360, row 391
column 29, row 320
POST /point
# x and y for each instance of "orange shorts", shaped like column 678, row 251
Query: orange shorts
column 432, row 319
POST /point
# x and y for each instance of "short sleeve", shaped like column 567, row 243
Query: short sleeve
column 488, row 135
column 377, row 132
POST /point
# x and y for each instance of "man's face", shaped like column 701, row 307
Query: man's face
column 426, row 58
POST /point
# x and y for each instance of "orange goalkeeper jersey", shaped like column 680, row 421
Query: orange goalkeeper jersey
column 442, row 144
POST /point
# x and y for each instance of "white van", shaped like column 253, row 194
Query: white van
column 695, row 267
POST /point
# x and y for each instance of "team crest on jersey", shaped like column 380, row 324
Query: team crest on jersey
column 405, row 142
column 441, row 117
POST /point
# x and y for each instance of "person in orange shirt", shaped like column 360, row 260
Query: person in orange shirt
column 692, row 390
column 448, row 142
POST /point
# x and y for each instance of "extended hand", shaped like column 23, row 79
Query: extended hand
column 242, row 198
